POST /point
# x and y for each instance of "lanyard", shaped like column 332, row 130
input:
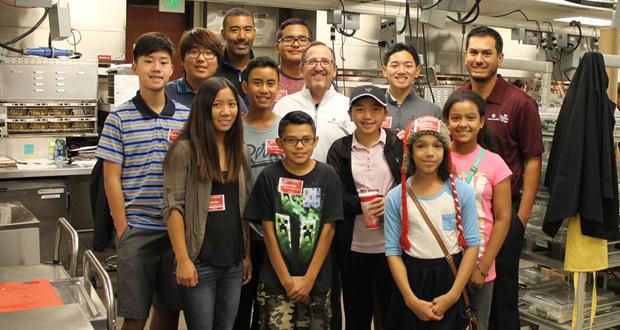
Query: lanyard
column 474, row 168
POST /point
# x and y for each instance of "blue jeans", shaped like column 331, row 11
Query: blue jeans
column 217, row 286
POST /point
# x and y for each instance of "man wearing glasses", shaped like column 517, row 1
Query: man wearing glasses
column 201, row 53
column 319, row 99
column 292, row 38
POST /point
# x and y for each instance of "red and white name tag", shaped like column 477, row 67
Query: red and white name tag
column 217, row 203
column 273, row 148
column 173, row 134
column 387, row 123
column 426, row 124
column 290, row 186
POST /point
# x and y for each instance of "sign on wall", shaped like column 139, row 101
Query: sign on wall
column 172, row 6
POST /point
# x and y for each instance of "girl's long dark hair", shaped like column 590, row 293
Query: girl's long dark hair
column 485, row 139
column 200, row 132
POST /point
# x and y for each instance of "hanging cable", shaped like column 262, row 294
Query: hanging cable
column 13, row 49
column 527, row 19
column 407, row 18
column 426, row 76
column 578, row 25
column 75, row 41
column 431, row 6
column 466, row 19
column 27, row 33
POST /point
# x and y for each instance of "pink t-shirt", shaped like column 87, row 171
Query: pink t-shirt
column 289, row 85
column 491, row 170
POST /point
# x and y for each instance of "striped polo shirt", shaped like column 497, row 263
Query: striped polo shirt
column 137, row 138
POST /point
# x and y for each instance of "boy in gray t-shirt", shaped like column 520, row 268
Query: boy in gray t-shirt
column 260, row 130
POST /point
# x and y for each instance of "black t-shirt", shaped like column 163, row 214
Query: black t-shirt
column 299, row 206
column 223, row 242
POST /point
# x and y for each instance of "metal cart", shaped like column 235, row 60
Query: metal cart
column 81, row 306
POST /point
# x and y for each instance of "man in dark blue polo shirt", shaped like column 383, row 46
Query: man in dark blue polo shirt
column 239, row 33
column 513, row 119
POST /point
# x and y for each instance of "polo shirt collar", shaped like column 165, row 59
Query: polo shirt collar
column 183, row 86
column 226, row 61
column 147, row 112
column 497, row 94
column 392, row 100
column 357, row 145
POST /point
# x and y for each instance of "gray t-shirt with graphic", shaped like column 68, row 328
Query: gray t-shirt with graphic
column 261, row 144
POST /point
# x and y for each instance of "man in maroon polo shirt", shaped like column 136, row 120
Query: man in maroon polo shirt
column 513, row 119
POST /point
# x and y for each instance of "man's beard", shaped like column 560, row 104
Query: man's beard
column 484, row 79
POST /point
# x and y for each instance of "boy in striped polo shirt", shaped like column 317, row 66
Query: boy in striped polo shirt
column 133, row 144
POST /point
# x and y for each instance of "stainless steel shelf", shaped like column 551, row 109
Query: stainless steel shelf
column 604, row 321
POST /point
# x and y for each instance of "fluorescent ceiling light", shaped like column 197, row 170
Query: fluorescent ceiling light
column 571, row 4
column 586, row 20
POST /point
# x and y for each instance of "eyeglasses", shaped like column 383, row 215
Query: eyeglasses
column 291, row 141
column 324, row 62
column 194, row 53
column 290, row 40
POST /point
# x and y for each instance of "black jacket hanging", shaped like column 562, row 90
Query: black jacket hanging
column 581, row 172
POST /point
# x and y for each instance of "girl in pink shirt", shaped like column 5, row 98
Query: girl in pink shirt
column 489, row 176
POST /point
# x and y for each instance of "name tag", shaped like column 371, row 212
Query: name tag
column 290, row 186
column 217, row 203
column 387, row 123
column 173, row 134
column 273, row 148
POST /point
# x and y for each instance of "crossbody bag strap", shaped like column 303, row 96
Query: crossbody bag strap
column 474, row 168
column 443, row 247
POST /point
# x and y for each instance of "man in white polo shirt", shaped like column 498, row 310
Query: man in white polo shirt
column 319, row 99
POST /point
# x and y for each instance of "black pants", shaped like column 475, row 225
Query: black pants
column 245, row 318
column 365, row 274
column 504, row 308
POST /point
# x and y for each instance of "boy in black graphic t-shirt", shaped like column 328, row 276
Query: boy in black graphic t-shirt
column 297, row 200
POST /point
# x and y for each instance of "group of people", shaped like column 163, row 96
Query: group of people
column 252, row 194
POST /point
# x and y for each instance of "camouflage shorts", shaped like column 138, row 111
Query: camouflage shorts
column 278, row 312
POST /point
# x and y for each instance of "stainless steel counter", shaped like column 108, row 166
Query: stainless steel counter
column 65, row 317
column 69, row 170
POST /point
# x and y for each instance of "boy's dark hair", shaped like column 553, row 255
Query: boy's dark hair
column 399, row 47
column 485, row 139
column 200, row 37
column 519, row 83
column 485, row 31
column 150, row 43
column 260, row 62
column 295, row 118
column 234, row 12
column 292, row 21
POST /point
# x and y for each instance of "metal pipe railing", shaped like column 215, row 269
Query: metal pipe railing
column 75, row 244
column 110, row 306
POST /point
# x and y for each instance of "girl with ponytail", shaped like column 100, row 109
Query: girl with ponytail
column 430, row 294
